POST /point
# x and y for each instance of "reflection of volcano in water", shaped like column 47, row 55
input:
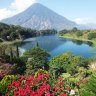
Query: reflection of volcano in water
column 48, row 43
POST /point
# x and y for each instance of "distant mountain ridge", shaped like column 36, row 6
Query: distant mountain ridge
column 40, row 17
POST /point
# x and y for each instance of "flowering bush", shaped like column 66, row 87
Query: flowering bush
column 40, row 71
column 5, row 82
column 37, row 85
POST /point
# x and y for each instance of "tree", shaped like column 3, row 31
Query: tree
column 91, row 36
column 13, row 35
column 17, row 51
column 36, row 58
column 62, row 32
column 79, row 34
column 74, row 29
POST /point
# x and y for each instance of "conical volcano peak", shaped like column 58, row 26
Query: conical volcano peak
column 37, row 5
column 39, row 17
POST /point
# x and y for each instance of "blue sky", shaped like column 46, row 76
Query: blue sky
column 80, row 11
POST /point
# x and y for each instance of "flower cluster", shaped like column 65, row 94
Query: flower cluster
column 30, row 86
column 37, row 86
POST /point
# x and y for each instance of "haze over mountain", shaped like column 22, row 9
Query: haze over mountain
column 40, row 17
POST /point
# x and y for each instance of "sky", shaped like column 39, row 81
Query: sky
column 79, row 11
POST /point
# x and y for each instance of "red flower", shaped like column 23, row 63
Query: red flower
column 48, row 94
column 36, row 86
column 9, row 86
column 16, row 83
column 68, row 89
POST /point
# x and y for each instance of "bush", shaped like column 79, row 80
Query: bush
column 79, row 34
column 65, row 63
column 5, row 82
column 39, row 86
column 89, row 89
column 40, row 71
column 36, row 58
column 19, row 65
column 91, row 36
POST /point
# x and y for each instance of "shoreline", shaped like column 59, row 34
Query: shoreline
column 11, row 42
column 81, row 39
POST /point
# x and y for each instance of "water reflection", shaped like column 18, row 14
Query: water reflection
column 57, row 46
column 79, row 42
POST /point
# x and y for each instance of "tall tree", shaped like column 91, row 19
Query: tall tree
column 37, row 58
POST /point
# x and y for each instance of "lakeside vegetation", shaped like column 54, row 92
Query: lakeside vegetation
column 16, row 33
column 34, row 74
column 83, row 35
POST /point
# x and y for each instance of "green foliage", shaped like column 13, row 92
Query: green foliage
column 36, row 58
column 19, row 65
column 40, row 71
column 2, row 50
column 91, row 36
column 1, row 40
column 65, row 76
column 17, row 51
column 67, row 62
column 13, row 35
column 37, row 44
column 12, row 32
column 89, row 89
column 35, row 52
column 79, row 33
column 47, row 32
column 63, row 32
column 5, row 82
column 84, row 62
column 74, row 29
column 11, row 54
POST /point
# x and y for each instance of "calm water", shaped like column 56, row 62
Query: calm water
column 56, row 46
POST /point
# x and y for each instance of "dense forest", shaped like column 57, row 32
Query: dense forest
column 12, row 32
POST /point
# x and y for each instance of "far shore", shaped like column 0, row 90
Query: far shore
column 81, row 39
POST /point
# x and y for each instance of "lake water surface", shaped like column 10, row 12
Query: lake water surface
column 56, row 45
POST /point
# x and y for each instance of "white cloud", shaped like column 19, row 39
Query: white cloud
column 15, row 7
column 21, row 5
column 83, row 20
column 4, row 13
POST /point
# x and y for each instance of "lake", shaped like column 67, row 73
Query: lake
column 57, row 45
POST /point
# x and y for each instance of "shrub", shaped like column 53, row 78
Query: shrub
column 67, row 63
column 5, row 82
column 91, row 36
column 89, row 89
column 79, row 34
column 40, row 71
column 38, row 86
column 19, row 65
column 36, row 58
column 65, row 75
